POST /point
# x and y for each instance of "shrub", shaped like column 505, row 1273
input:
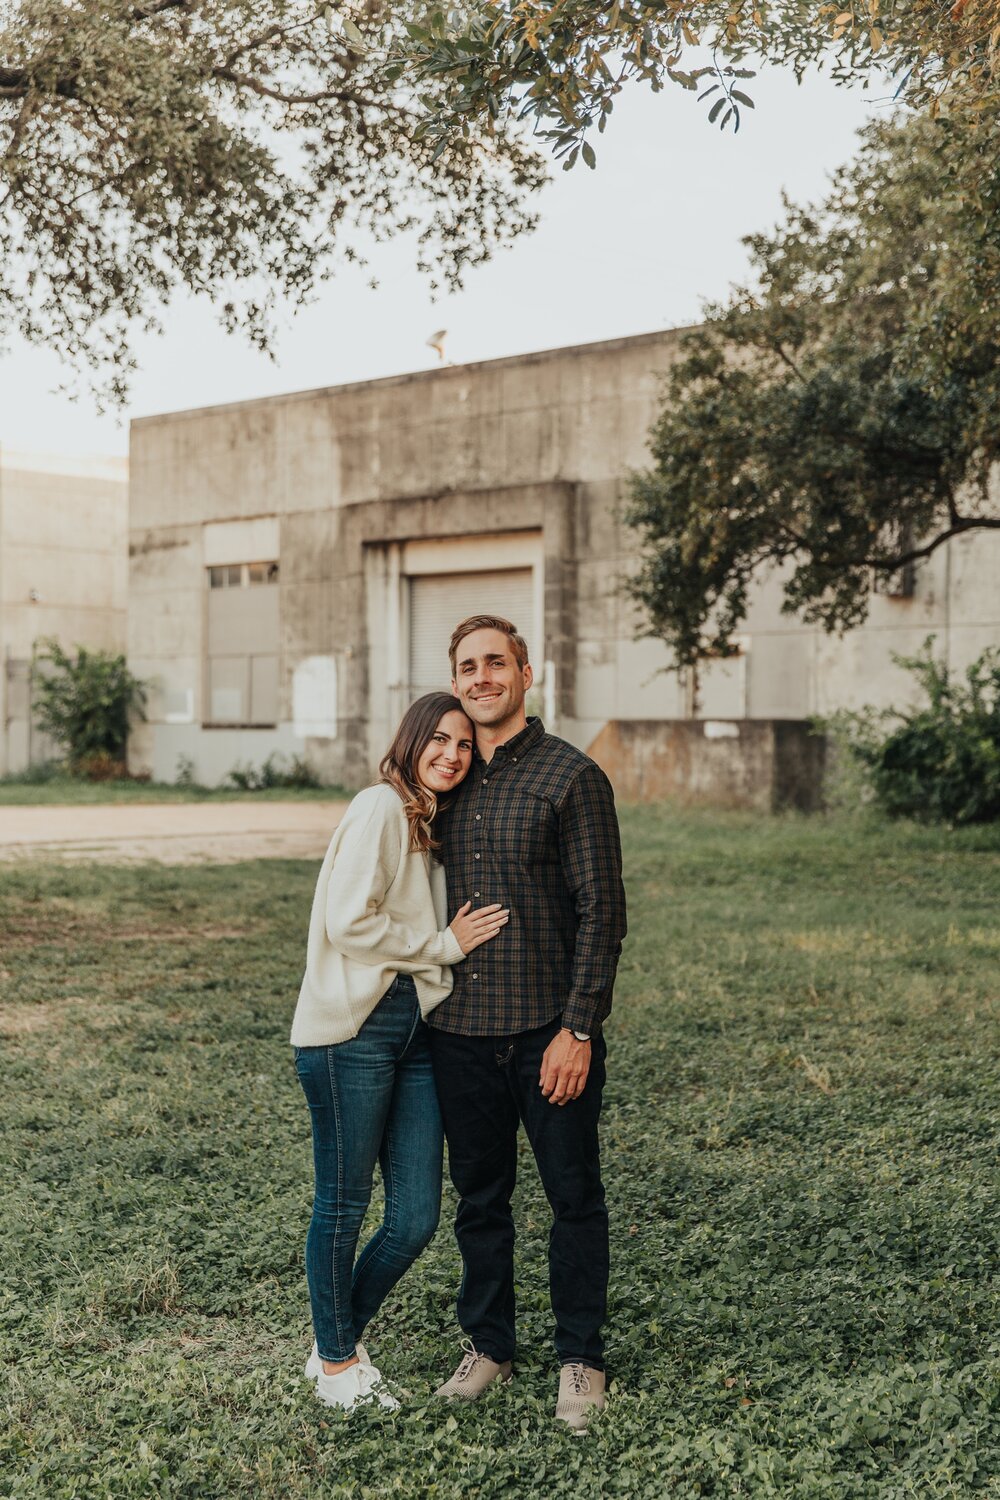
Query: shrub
column 184, row 775
column 39, row 774
column 101, row 766
column 85, row 702
column 248, row 778
column 939, row 762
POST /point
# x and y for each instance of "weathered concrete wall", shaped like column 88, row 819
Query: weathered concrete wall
column 763, row 764
column 524, row 458
column 536, row 444
column 63, row 571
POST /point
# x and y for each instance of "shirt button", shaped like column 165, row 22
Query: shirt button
column 478, row 816
column 475, row 976
column 475, row 893
column 486, row 781
column 476, row 856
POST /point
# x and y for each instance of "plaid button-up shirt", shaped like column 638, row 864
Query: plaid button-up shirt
column 536, row 830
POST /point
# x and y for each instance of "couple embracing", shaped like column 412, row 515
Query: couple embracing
column 408, row 1030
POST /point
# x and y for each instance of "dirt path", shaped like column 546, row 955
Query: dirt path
column 171, row 833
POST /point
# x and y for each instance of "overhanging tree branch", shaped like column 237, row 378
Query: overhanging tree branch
column 284, row 96
column 892, row 564
column 847, row 454
column 141, row 152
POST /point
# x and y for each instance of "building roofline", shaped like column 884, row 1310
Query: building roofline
column 73, row 466
column 607, row 346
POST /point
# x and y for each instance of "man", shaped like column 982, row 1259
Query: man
column 519, row 1039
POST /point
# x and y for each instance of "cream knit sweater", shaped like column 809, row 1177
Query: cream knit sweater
column 378, row 911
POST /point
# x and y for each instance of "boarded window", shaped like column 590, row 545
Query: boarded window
column 439, row 601
column 243, row 644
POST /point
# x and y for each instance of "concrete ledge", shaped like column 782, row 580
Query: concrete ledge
column 766, row 764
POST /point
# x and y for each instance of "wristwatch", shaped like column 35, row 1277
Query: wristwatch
column 581, row 1036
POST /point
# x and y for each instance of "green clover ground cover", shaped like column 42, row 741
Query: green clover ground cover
column 800, row 1143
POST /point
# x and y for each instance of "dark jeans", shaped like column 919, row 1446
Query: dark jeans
column 370, row 1098
column 487, row 1086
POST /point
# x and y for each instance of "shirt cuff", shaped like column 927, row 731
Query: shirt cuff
column 576, row 1019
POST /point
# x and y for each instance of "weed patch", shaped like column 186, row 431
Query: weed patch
column 800, row 1142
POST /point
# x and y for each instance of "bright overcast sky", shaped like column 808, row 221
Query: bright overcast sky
column 637, row 245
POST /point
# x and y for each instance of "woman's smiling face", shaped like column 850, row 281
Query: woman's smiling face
column 447, row 756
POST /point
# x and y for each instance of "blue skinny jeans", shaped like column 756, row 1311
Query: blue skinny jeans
column 370, row 1099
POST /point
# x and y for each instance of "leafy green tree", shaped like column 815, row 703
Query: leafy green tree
column 562, row 65
column 237, row 148
column 838, row 419
column 86, row 701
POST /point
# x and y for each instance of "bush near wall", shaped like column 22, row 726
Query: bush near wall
column 940, row 762
column 86, row 701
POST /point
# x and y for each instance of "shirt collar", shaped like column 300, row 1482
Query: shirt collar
column 525, row 739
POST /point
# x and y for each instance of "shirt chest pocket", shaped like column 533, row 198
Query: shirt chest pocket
column 526, row 832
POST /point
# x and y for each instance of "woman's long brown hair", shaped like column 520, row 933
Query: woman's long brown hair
column 398, row 767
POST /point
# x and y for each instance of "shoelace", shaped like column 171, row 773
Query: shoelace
column 580, row 1379
column 470, row 1361
column 373, row 1388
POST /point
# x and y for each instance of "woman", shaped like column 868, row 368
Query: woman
column 376, row 965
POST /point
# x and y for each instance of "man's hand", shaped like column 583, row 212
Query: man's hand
column 565, row 1066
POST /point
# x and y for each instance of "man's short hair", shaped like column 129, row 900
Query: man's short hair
column 518, row 645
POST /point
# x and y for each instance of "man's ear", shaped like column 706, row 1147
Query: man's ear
column 529, row 676
column 454, row 688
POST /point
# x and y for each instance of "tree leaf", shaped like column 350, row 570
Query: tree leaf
column 353, row 35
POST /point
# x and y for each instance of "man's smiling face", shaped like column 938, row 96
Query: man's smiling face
column 488, row 680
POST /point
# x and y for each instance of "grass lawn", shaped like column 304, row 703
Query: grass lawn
column 66, row 791
column 801, row 1155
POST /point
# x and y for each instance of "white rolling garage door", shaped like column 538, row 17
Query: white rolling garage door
column 437, row 604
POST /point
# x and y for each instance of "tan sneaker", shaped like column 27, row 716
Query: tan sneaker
column 581, row 1391
column 474, row 1374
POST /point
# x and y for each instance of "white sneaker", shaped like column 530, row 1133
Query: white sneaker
column 314, row 1365
column 354, row 1386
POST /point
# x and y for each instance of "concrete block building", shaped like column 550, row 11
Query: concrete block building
column 298, row 562
column 63, row 574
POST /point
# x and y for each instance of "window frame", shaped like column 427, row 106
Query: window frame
column 218, row 577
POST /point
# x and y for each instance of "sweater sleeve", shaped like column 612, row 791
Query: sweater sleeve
column 358, row 923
